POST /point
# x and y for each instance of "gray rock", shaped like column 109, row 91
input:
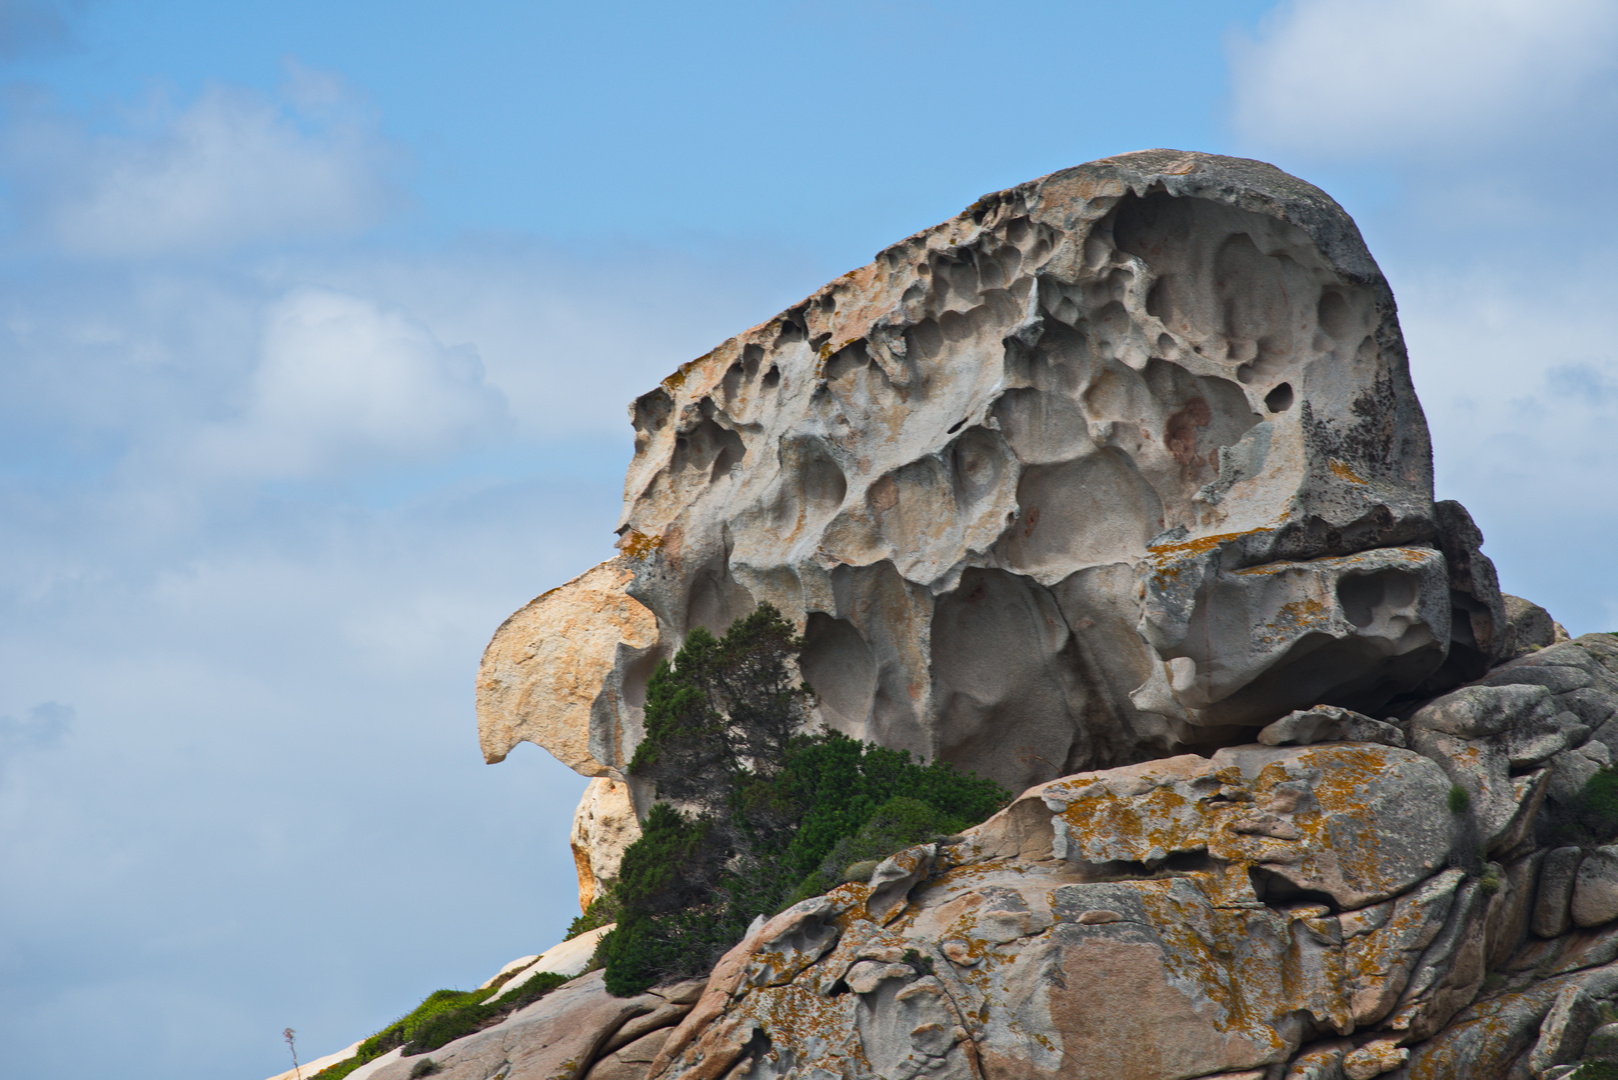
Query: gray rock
column 1556, row 874
column 1595, row 888
column 1528, row 628
column 1479, row 711
column 907, row 465
column 1327, row 723
column 1573, row 1015
column 1602, row 1045
column 1478, row 618
column 1572, row 769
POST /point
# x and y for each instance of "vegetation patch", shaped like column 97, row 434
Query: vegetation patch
column 1460, row 800
column 603, row 911
column 446, row 1015
column 1590, row 819
column 754, row 813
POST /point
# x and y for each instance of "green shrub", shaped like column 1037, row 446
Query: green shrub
column 899, row 823
column 1460, row 800
column 603, row 911
column 1596, row 1070
column 769, row 815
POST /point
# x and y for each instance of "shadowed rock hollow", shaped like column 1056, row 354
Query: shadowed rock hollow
column 1117, row 463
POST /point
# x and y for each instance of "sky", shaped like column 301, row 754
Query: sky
column 317, row 326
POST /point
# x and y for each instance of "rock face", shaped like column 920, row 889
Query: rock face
column 1272, row 911
column 1113, row 465
column 1113, row 488
column 1317, row 910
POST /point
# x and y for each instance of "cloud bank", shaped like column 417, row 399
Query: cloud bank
column 229, row 169
column 1350, row 79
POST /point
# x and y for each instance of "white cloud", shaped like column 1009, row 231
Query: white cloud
column 345, row 382
column 229, row 169
column 1342, row 79
column 1519, row 380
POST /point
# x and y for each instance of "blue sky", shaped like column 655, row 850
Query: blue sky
column 317, row 325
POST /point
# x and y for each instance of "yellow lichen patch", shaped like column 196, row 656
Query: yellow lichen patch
column 1302, row 612
column 637, row 545
column 1341, row 470
column 1162, row 555
column 1148, row 826
column 677, row 380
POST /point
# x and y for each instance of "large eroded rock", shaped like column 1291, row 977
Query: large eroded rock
column 1119, row 462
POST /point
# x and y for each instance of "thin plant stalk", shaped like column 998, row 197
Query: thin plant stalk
column 291, row 1036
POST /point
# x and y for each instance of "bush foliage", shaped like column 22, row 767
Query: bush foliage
column 755, row 814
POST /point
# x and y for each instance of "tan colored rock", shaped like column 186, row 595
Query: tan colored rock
column 604, row 825
column 1266, row 813
column 909, row 465
column 556, row 662
column 1373, row 1059
column 568, row 958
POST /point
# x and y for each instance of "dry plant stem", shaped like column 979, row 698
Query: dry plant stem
column 289, row 1035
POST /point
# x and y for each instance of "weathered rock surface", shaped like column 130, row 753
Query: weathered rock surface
column 1113, row 488
column 1327, row 723
column 1296, row 911
column 603, row 826
column 557, row 663
column 1176, row 918
column 1112, row 465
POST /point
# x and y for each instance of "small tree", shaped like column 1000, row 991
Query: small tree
column 764, row 808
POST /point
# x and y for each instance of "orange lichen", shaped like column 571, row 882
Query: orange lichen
column 637, row 545
column 1343, row 472
column 675, row 381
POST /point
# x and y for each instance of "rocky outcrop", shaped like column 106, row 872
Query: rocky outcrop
column 1113, row 488
column 1279, row 911
column 1113, row 465
column 1316, row 906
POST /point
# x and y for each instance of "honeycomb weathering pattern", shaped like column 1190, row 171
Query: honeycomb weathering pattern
column 1116, row 463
